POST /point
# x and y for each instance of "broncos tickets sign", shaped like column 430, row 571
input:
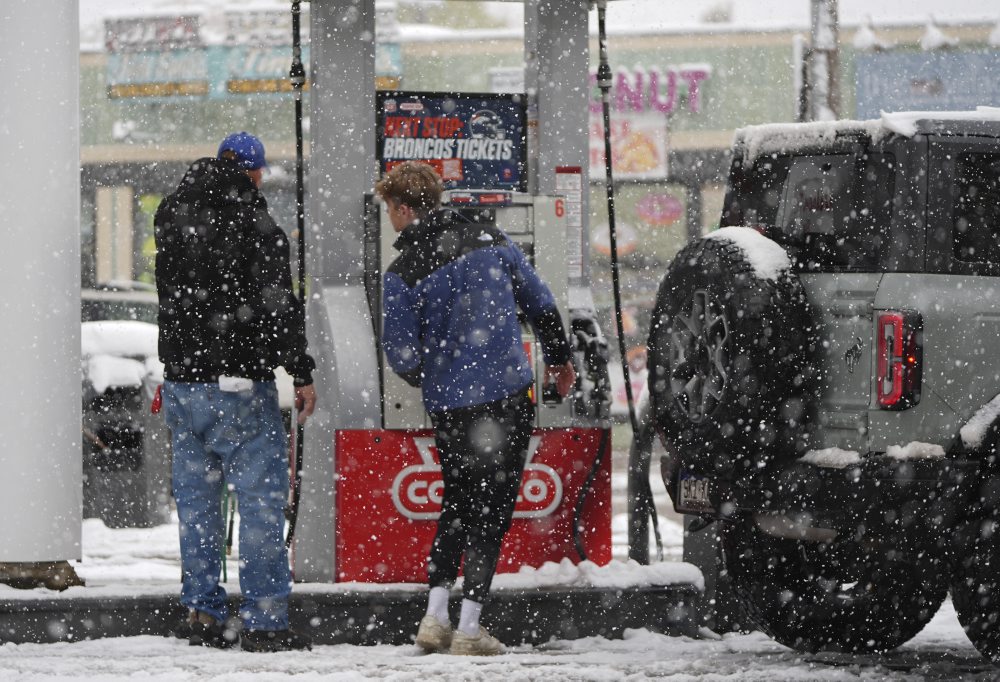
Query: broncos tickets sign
column 389, row 492
column 474, row 141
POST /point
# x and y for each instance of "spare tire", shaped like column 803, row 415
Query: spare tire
column 729, row 348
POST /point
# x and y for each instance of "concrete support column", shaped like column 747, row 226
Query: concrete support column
column 557, row 58
column 40, row 408
column 342, row 168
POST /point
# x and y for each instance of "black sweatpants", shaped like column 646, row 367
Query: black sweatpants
column 482, row 449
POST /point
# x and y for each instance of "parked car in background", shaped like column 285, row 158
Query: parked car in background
column 119, row 301
column 137, row 301
column 126, row 450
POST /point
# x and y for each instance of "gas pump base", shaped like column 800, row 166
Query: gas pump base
column 366, row 618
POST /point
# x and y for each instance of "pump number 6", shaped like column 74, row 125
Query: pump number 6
column 560, row 208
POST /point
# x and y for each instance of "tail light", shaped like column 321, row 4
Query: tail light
column 900, row 358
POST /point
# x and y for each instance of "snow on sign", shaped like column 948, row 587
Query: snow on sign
column 389, row 492
column 474, row 141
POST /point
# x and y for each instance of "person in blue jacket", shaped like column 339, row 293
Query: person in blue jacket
column 450, row 327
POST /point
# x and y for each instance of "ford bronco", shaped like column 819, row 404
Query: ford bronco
column 825, row 378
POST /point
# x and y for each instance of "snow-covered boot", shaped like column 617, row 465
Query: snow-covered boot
column 433, row 635
column 482, row 644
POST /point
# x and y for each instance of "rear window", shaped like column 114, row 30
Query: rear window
column 976, row 208
column 100, row 310
column 832, row 212
column 754, row 194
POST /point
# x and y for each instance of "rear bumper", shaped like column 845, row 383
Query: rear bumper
column 877, row 485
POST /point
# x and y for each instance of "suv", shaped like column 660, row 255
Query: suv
column 119, row 301
column 824, row 376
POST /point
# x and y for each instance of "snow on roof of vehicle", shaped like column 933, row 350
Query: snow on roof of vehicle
column 112, row 349
column 784, row 138
column 766, row 257
column 121, row 338
column 907, row 123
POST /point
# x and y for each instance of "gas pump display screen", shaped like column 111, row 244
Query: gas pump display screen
column 475, row 141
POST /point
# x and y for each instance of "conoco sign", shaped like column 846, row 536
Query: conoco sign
column 417, row 489
column 388, row 498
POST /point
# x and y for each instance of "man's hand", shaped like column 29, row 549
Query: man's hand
column 305, row 401
column 564, row 375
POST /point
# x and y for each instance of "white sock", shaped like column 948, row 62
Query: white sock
column 469, row 621
column 437, row 604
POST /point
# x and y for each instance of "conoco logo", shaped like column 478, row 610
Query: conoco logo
column 417, row 490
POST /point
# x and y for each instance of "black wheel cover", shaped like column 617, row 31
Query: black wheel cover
column 976, row 595
column 814, row 596
column 728, row 355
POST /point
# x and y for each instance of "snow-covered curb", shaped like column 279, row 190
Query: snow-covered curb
column 766, row 257
column 622, row 574
column 566, row 574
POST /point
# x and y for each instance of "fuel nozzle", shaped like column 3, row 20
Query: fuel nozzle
column 550, row 393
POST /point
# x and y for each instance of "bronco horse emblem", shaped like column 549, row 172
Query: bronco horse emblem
column 853, row 355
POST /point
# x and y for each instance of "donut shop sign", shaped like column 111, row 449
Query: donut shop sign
column 663, row 90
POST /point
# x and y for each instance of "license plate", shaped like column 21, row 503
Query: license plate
column 694, row 494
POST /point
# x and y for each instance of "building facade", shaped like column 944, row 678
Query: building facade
column 162, row 91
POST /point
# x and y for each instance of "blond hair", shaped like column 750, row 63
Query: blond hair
column 414, row 184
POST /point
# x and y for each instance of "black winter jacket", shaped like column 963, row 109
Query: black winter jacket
column 224, row 282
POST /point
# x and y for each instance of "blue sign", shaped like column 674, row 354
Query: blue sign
column 474, row 141
column 926, row 81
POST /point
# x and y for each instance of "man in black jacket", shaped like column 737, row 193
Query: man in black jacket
column 227, row 317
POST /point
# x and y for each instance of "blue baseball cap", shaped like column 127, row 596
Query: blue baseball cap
column 248, row 149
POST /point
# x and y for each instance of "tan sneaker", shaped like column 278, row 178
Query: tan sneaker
column 433, row 635
column 483, row 644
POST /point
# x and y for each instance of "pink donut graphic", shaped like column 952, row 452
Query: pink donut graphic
column 659, row 210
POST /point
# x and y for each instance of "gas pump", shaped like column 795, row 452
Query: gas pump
column 536, row 224
column 369, row 478
column 388, row 480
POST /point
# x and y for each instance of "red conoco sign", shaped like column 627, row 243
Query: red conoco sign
column 389, row 491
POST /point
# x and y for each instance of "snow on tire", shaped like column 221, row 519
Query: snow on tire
column 729, row 345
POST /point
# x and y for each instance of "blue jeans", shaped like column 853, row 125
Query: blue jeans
column 234, row 439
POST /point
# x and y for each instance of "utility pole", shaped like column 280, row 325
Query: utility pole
column 819, row 98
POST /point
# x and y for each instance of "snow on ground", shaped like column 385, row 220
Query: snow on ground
column 134, row 561
column 941, row 652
